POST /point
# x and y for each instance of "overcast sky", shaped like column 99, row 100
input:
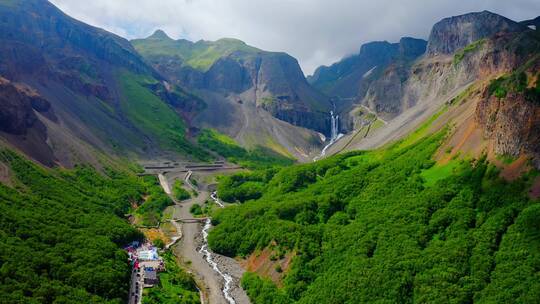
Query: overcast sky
column 316, row 32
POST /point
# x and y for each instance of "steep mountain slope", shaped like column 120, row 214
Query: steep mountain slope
column 245, row 82
column 437, row 78
column 350, row 77
column 98, row 86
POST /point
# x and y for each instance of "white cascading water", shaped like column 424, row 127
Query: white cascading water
column 204, row 250
column 334, row 134
column 334, row 126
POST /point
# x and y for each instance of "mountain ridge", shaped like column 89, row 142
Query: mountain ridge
column 78, row 69
column 246, row 79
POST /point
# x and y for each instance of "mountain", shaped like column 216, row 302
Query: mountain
column 532, row 23
column 98, row 87
column 435, row 198
column 349, row 77
column 439, row 203
column 437, row 78
column 453, row 33
column 352, row 80
column 245, row 82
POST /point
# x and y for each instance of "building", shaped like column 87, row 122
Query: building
column 150, row 277
column 149, row 255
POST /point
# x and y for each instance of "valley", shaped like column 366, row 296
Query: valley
column 217, row 276
column 163, row 170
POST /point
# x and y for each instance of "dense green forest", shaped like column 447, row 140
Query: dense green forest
column 151, row 211
column 62, row 233
column 386, row 226
column 254, row 159
column 179, row 192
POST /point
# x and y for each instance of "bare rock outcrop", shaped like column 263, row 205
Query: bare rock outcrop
column 453, row 33
column 19, row 104
column 513, row 123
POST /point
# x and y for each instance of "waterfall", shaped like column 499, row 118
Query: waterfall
column 334, row 127
column 334, row 134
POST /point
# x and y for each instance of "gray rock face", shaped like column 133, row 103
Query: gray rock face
column 18, row 105
column 344, row 78
column 275, row 80
column 376, row 70
column 411, row 48
column 279, row 86
column 451, row 34
column 532, row 23
column 227, row 74
column 384, row 93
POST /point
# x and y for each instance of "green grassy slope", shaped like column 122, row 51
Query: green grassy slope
column 153, row 116
column 228, row 148
column 199, row 55
column 387, row 227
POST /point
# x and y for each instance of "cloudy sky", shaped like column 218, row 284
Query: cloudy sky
column 316, row 32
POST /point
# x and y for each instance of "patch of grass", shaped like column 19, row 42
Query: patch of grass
column 439, row 172
column 179, row 192
column 462, row 97
column 267, row 101
column 517, row 82
column 473, row 47
column 196, row 210
column 362, row 158
column 168, row 213
column 151, row 211
column 377, row 124
column 422, row 131
column 506, row 159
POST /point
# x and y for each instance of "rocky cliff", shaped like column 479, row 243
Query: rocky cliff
column 509, row 113
column 457, row 54
column 373, row 77
column 19, row 107
column 272, row 81
column 453, row 33
column 344, row 78
column 19, row 121
column 405, row 95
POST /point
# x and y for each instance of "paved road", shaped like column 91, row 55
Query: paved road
column 135, row 290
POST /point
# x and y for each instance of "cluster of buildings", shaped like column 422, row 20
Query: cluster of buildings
column 146, row 263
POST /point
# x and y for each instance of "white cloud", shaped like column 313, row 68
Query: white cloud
column 314, row 31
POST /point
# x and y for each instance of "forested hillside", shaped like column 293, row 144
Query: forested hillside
column 386, row 226
column 61, row 233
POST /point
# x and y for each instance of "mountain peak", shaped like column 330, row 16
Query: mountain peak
column 453, row 33
column 159, row 34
